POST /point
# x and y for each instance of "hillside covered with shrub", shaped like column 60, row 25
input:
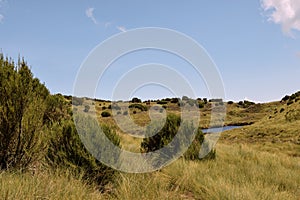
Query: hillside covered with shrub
column 42, row 156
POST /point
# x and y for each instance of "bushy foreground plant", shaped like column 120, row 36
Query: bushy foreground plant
column 66, row 150
column 36, row 127
column 22, row 109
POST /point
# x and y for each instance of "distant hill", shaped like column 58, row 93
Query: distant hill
column 278, row 130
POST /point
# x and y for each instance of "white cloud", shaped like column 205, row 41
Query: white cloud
column 90, row 14
column 107, row 24
column 1, row 15
column 121, row 28
column 283, row 12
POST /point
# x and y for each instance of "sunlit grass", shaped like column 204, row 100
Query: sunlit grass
column 239, row 172
column 45, row 185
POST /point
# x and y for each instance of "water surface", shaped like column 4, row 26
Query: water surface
column 219, row 129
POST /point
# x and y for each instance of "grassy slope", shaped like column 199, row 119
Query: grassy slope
column 45, row 185
column 239, row 172
column 252, row 163
column 278, row 131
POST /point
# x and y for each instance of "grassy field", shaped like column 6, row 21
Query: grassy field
column 45, row 185
column 239, row 172
column 258, row 161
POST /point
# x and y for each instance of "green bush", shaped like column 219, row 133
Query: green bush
column 167, row 134
column 37, row 127
column 185, row 98
column 201, row 105
column 174, row 100
column 86, row 108
column 192, row 102
column 162, row 102
column 22, row 109
column 136, row 100
column 66, row 150
column 285, row 98
column 193, row 151
column 138, row 106
column 105, row 114
column 76, row 101
column 114, row 106
column 290, row 102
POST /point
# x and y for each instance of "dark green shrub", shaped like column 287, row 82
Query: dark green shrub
column 290, row 102
column 22, row 110
column 105, row 114
column 201, row 105
column 185, row 98
column 281, row 110
column 167, row 134
column 230, row 102
column 114, row 106
column 66, row 150
column 86, row 108
column 193, row 151
column 134, row 112
column 162, row 102
column 138, row 106
column 125, row 112
column 192, row 102
column 221, row 103
column 248, row 103
column 76, row 101
column 285, row 98
column 104, row 108
column 136, row 100
column 174, row 100
column 163, row 137
column 166, row 99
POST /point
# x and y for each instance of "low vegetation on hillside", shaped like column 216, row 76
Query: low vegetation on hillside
column 43, row 155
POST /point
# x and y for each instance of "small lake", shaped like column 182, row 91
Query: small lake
column 219, row 129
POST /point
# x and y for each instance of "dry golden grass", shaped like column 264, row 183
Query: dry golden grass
column 239, row 172
column 277, row 132
column 45, row 185
column 260, row 161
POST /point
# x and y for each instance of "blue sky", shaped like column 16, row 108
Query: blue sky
column 255, row 44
